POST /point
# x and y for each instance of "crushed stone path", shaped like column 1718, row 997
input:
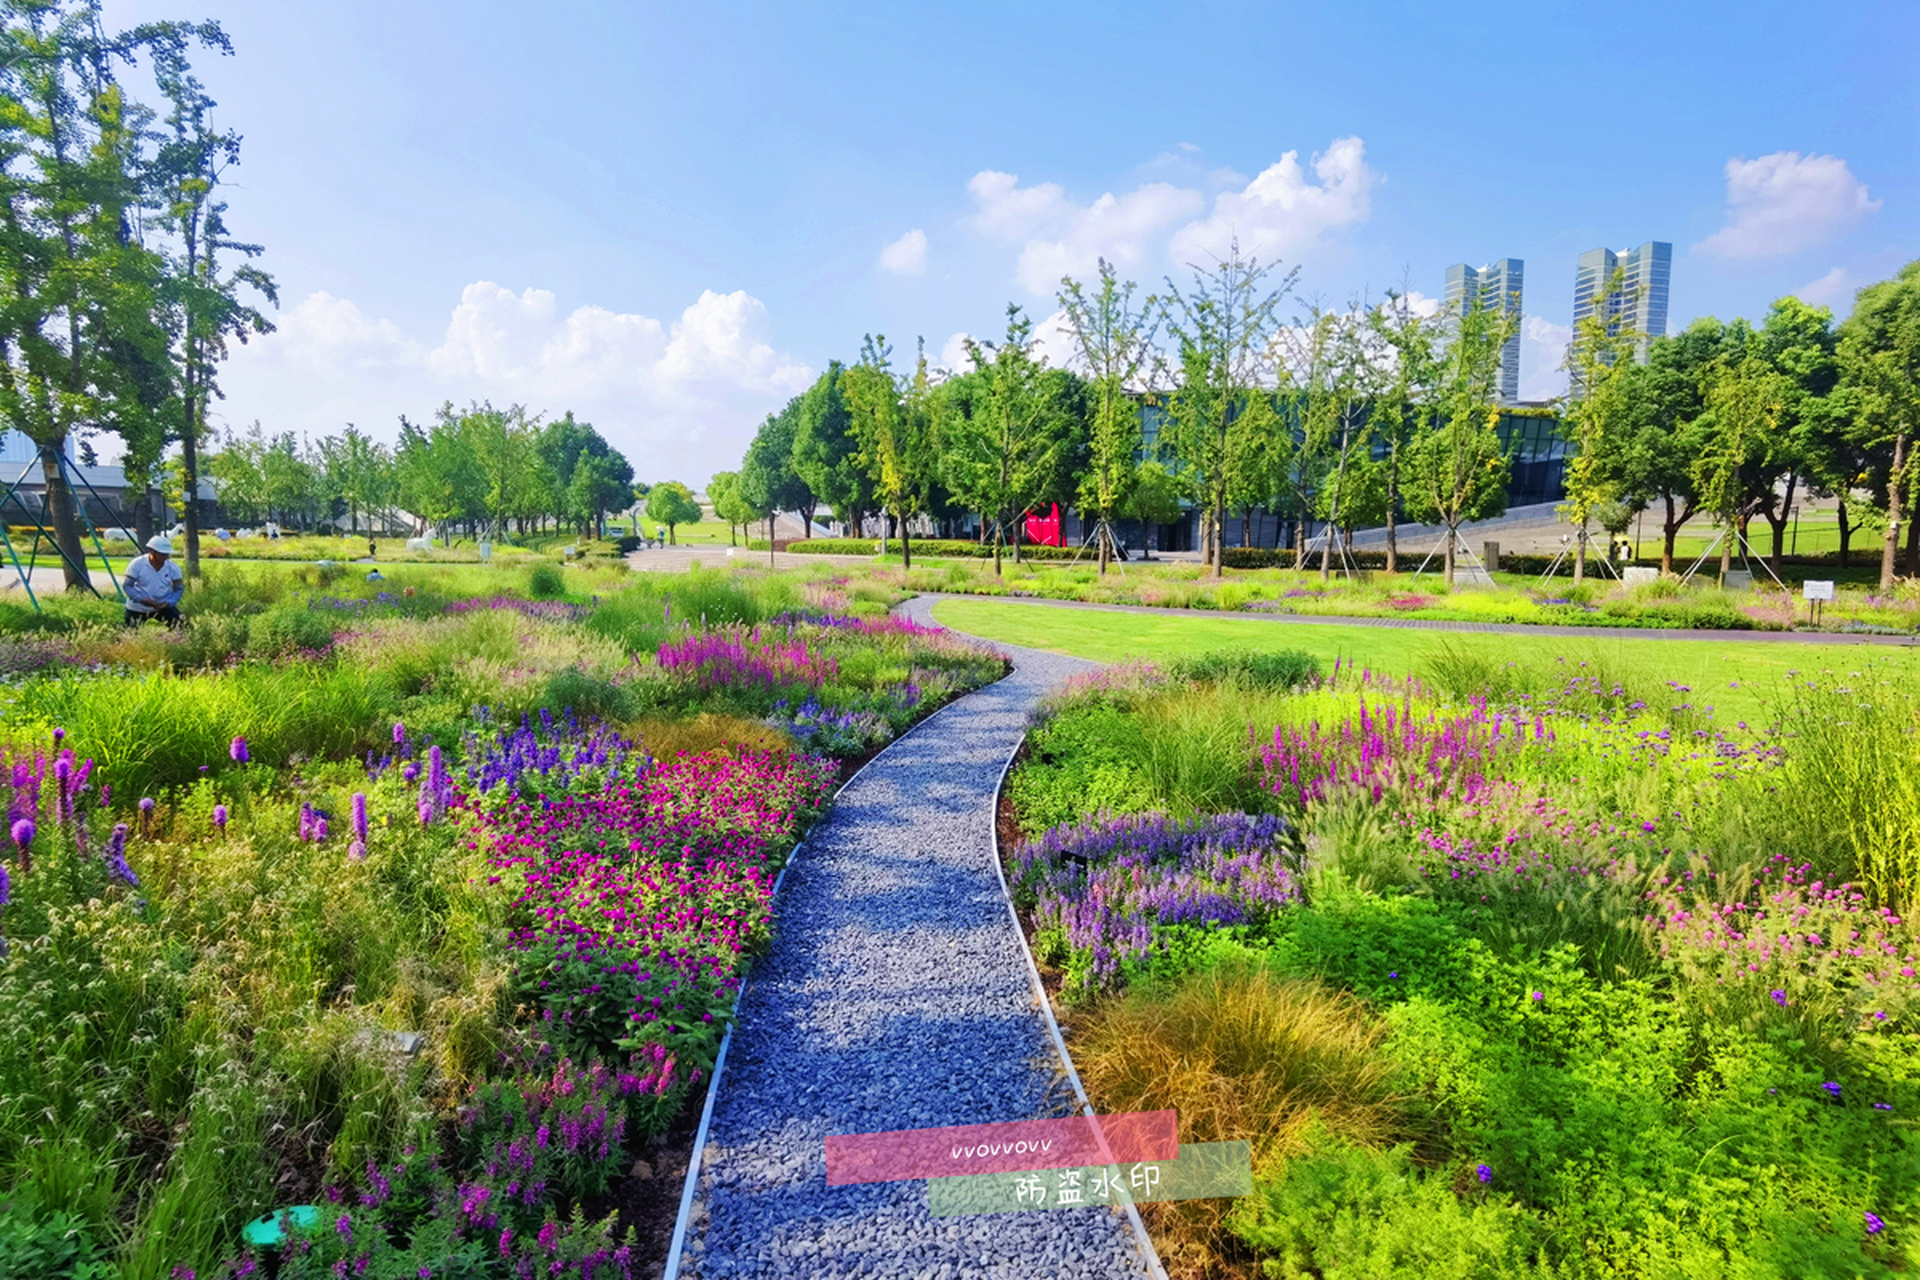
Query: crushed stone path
column 896, row 996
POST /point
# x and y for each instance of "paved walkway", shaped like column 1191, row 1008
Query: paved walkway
column 896, row 996
column 1432, row 624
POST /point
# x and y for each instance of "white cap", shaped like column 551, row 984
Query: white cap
column 161, row 543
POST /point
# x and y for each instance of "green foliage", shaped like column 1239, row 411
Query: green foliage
column 1375, row 1215
column 56, row 1246
column 671, row 503
column 1274, row 669
column 545, row 583
column 288, row 628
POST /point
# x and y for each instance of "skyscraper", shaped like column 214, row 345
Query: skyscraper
column 1498, row 287
column 1638, row 302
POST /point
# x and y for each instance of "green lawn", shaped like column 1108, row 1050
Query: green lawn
column 1732, row 676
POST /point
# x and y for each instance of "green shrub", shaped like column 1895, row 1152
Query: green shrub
column 56, row 1246
column 588, row 697
column 1372, row 1215
column 1280, row 669
column 545, row 583
column 287, row 628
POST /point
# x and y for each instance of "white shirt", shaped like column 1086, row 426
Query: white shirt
column 149, row 588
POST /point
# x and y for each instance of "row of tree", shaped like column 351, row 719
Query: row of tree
column 1344, row 417
column 1734, row 422
column 1358, row 417
column 481, row 467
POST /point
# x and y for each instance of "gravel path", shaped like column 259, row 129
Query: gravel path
column 896, row 996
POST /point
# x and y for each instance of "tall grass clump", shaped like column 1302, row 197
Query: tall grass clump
column 1241, row 1054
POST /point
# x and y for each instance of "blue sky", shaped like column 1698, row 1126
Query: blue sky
column 668, row 218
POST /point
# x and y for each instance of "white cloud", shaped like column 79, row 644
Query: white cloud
column 679, row 399
column 953, row 356
column 1062, row 238
column 1833, row 291
column 1283, row 212
column 1543, row 348
column 1785, row 202
column 1053, row 344
column 906, row 256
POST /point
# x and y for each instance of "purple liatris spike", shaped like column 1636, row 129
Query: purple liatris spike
column 146, row 804
column 412, row 772
column 23, row 833
column 426, row 809
column 357, row 851
column 238, row 750
column 306, row 823
column 399, row 733
column 220, row 816
column 106, row 793
column 319, row 829
column 360, row 817
column 6, row 886
column 117, row 855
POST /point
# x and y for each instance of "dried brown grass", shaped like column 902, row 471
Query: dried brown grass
column 1242, row 1054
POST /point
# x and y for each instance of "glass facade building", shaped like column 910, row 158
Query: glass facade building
column 1640, row 302
column 1499, row 288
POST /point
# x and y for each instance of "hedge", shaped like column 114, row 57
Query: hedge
column 921, row 547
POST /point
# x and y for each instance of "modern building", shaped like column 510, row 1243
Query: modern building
column 1498, row 287
column 1637, row 301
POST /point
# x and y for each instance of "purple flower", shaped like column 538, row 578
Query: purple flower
column 238, row 750
column 1833, row 1089
column 1779, row 998
column 23, row 833
column 1647, row 826
column 360, row 816
column 58, row 734
column 1883, row 1106
column 357, row 851
column 146, row 804
column 399, row 733
column 6, row 886
column 1874, row 1225
column 412, row 772
column 1538, row 996
column 116, row 855
column 220, row 816
column 106, row 793
column 319, row 829
column 1484, row 1173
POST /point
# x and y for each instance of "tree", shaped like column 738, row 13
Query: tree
column 358, row 472
column 436, row 475
column 1115, row 345
column 826, row 453
column 1597, row 364
column 79, row 324
column 894, row 427
column 768, row 481
column 585, row 476
column 1154, row 499
column 1004, row 432
column 729, row 502
column 671, row 503
column 1457, row 466
column 205, row 305
column 1223, row 328
column 1665, row 427
column 1403, row 397
column 1879, row 353
column 239, row 469
column 1797, row 341
column 1743, row 398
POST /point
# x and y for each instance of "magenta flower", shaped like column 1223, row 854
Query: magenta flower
column 23, row 833
column 399, row 733
column 357, row 851
column 220, row 816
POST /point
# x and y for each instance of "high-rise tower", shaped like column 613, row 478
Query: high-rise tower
column 1498, row 288
column 1638, row 301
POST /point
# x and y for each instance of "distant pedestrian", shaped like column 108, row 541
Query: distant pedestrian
column 153, row 584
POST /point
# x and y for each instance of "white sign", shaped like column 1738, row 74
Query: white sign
column 1812, row 590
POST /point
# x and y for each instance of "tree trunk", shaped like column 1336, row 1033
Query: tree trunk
column 999, row 540
column 1726, row 550
column 1299, row 542
column 64, row 516
column 906, row 549
column 1580, row 555
column 1892, row 541
column 1846, row 530
column 1220, row 536
column 143, row 516
column 1452, row 537
column 1393, row 501
column 1779, row 526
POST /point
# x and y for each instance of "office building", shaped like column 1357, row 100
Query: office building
column 1637, row 301
column 1498, row 288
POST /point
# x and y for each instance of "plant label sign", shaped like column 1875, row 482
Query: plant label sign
column 1811, row 590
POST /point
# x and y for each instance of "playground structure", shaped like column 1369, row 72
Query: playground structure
column 44, row 531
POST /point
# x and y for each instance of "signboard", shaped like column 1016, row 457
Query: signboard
column 1811, row 590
